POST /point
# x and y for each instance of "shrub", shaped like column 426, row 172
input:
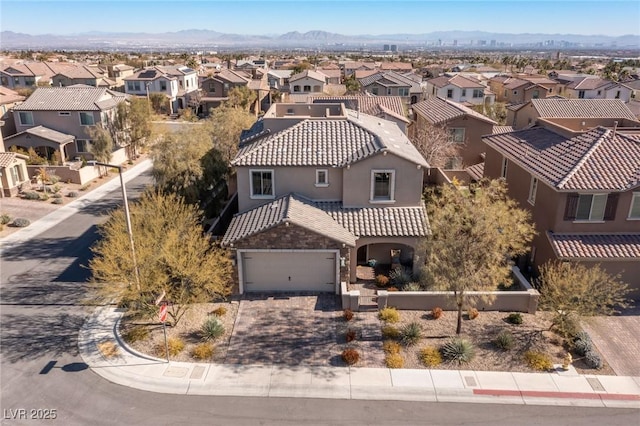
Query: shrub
column 390, row 332
column 212, row 329
column 135, row 334
column 57, row 201
column 412, row 287
column 504, row 340
column 203, row 351
column 410, row 334
column 175, row 344
column 108, row 349
column 56, row 188
column 44, row 197
column 4, row 219
column 57, row 195
column 400, row 276
column 54, row 179
column 582, row 347
column 436, row 312
column 382, row 280
column 394, row 361
column 72, row 194
column 392, row 288
column 85, row 186
column 350, row 356
column 391, row 347
column 31, row 195
column 389, row 315
column 219, row 311
column 472, row 313
column 347, row 314
column 515, row 318
column 593, row 360
column 582, row 335
column 430, row 356
column 566, row 325
column 538, row 360
column 20, row 222
column 350, row 335
column 458, row 350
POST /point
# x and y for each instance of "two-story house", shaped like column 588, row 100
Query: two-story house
column 215, row 88
column 8, row 100
column 588, row 113
column 178, row 83
column 515, row 90
column 390, row 83
column 307, row 81
column 583, row 193
column 13, row 170
column 71, row 74
column 591, row 87
column 59, row 119
column 26, row 75
column 459, row 89
column 465, row 125
column 320, row 190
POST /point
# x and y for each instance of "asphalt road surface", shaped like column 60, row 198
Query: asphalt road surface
column 43, row 380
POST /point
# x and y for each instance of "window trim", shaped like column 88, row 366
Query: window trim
column 452, row 133
column 324, row 184
column 261, row 196
column 28, row 114
column 590, row 219
column 635, row 197
column 93, row 119
column 533, row 190
column 392, row 185
column 88, row 146
column 64, row 113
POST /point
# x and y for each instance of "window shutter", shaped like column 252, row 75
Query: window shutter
column 612, row 204
column 571, row 207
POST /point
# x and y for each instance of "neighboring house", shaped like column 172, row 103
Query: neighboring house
column 459, row 89
column 587, row 113
column 390, row 83
column 279, row 79
column 26, row 75
column 396, row 66
column 59, row 118
column 515, row 90
column 334, row 74
column 349, row 68
column 594, row 88
column 322, row 189
column 119, row 72
column 13, row 171
column 583, row 193
column 390, row 108
column 215, row 89
column 178, row 83
column 8, row 100
column 465, row 125
column 71, row 74
column 307, row 81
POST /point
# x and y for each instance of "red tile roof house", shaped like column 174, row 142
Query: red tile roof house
column 322, row 189
column 391, row 83
column 583, row 193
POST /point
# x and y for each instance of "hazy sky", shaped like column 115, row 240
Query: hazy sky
column 344, row 17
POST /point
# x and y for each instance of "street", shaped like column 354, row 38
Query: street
column 44, row 381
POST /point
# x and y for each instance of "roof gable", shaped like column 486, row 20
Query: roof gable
column 437, row 110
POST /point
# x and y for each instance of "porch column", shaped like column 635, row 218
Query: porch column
column 353, row 264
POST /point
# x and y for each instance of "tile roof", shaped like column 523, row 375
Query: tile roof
column 588, row 83
column 476, row 172
column 582, row 108
column 45, row 133
column 515, row 83
column 329, row 142
column 8, row 96
column 456, row 80
column 316, row 75
column 79, row 98
column 403, row 66
column 437, row 110
column 291, row 208
column 596, row 246
column 367, row 104
column 231, row 76
column 502, row 129
column 7, row 158
column 596, row 160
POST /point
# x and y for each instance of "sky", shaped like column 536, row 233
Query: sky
column 350, row 17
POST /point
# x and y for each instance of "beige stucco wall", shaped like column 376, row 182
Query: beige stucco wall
column 66, row 124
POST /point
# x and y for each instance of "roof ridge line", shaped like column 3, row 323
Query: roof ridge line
column 271, row 137
column 584, row 158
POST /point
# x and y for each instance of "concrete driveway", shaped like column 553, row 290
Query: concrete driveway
column 618, row 339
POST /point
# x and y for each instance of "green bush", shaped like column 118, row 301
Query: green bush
column 400, row 277
column 582, row 347
column 57, row 195
column 582, row 335
column 212, row 329
column 350, row 356
column 538, row 360
column 410, row 334
column 72, row 194
column 389, row 315
column 31, row 195
column 430, row 356
column 57, row 201
column 54, row 179
column 515, row 318
column 135, row 334
column 390, row 332
column 504, row 340
column 20, row 222
column 412, row 287
column 593, row 360
column 44, row 196
column 203, row 351
column 4, row 219
column 394, row 360
column 458, row 350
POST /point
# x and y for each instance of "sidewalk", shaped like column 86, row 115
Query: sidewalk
column 135, row 370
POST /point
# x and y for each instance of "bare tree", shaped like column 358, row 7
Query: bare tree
column 436, row 144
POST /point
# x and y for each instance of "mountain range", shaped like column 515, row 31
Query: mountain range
column 200, row 38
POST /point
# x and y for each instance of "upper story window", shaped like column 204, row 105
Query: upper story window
column 296, row 88
column 533, row 189
column 457, row 135
column 262, row 184
column 449, row 93
column 580, row 94
column 478, row 93
column 212, row 87
column 163, row 85
column 536, row 94
column 464, row 92
column 403, row 91
column 505, row 165
column 382, row 186
column 634, row 210
column 307, row 88
column 322, row 177
column 591, row 207
column 133, row 86
column 64, row 113
column 618, row 94
column 374, row 90
column 26, row 118
column 86, row 119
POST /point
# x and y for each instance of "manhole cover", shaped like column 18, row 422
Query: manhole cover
column 595, row 384
column 470, row 380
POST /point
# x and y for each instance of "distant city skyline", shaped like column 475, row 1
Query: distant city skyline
column 353, row 17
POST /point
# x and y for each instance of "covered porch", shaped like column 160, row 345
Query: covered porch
column 46, row 142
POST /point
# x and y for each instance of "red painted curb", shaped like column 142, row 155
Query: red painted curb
column 550, row 394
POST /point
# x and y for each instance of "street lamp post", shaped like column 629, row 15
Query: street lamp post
column 127, row 217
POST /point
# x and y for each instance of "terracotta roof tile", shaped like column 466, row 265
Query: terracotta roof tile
column 7, row 158
column 438, row 110
column 75, row 98
column 596, row 246
column 582, row 108
column 366, row 104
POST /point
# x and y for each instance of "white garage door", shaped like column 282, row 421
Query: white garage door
column 289, row 271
